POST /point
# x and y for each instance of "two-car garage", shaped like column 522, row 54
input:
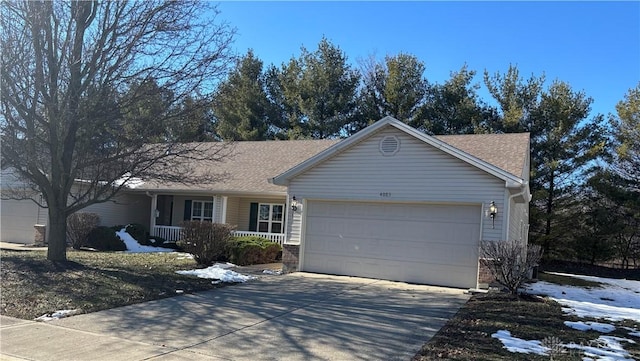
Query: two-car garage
column 391, row 202
column 422, row 243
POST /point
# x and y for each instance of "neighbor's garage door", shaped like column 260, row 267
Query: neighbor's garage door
column 419, row 243
column 17, row 219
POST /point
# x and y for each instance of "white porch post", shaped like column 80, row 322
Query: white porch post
column 213, row 211
column 223, row 219
column 154, row 208
column 290, row 214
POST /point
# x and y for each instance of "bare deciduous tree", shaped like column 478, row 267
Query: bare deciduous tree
column 71, row 73
column 510, row 262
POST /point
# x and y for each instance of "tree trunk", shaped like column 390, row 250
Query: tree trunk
column 549, row 212
column 57, row 249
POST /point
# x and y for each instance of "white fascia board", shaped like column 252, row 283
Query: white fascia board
column 200, row 192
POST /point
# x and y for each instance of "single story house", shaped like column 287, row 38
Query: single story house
column 389, row 202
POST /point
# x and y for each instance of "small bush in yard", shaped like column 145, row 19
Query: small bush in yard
column 253, row 250
column 511, row 262
column 139, row 233
column 105, row 239
column 78, row 227
column 207, row 242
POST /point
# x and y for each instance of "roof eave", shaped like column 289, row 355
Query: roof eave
column 237, row 193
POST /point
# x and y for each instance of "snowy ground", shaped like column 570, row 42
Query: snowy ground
column 615, row 300
column 219, row 272
column 134, row 247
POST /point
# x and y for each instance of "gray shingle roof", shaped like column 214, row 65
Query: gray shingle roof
column 505, row 151
column 250, row 164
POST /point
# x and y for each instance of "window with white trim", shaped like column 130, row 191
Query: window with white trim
column 202, row 211
column 270, row 218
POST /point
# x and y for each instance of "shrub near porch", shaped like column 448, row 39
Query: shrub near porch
column 211, row 242
column 253, row 250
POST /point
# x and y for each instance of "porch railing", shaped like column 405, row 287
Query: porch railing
column 273, row 237
column 172, row 233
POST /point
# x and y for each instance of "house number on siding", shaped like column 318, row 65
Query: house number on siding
column 385, row 194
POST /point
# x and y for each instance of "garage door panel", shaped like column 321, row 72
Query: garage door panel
column 449, row 233
column 422, row 243
column 17, row 218
column 412, row 251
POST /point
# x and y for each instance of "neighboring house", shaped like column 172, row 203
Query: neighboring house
column 241, row 196
column 389, row 202
column 21, row 220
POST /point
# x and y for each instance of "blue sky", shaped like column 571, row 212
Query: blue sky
column 594, row 46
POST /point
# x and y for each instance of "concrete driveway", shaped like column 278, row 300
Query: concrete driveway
column 298, row 316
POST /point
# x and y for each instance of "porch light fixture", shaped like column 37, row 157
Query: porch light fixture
column 493, row 210
column 294, row 204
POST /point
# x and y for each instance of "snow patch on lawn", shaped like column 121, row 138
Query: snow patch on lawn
column 514, row 344
column 219, row 271
column 604, row 348
column 614, row 300
column 271, row 272
column 56, row 315
column 589, row 325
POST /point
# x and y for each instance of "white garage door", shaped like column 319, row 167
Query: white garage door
column 418, row 243
column 17, row 219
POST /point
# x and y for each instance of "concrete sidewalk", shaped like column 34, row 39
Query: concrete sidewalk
column 292, row 317
column 21, row 247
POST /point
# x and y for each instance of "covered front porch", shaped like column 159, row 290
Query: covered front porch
column 253, row 215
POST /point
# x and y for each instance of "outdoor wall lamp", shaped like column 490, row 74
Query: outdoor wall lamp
column 294, row 204
column 493, row 210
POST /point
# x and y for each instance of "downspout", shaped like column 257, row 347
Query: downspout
column 524, row 188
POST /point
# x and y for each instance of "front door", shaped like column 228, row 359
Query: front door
column 165, row 210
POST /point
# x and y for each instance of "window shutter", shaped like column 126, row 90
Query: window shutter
column 253, row 217
column 187, row 210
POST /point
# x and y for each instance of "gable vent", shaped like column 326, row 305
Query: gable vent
column 389, row 145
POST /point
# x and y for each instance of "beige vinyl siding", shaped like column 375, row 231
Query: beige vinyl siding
column 43, row 215
column 123, row 209
column 19, row 216
column 418, row 172
column 232, row 210
column 294, row 223
column 518, row 222
column 244, row 209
